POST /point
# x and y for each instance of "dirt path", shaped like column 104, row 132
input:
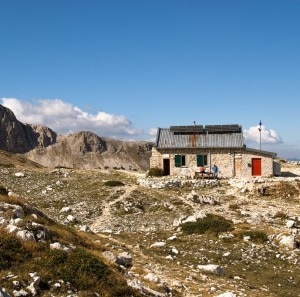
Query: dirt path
column 103, row 222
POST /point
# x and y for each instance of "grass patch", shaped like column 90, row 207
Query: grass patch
column 80, row 268
column 7, row 165
column 211, row 223
column 156, row 172
column 12, row 251
column 280, row 215
column 256, row 236
column 234, row 206
column 11, row 200
column 114, row 183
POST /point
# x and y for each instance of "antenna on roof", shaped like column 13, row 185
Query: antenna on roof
column 194, row 123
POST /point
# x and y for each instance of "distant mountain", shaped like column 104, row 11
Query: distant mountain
column 17, row 137
column 78, row 150
column 293, row 159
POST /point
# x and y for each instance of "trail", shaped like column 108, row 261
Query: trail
column 103, row 222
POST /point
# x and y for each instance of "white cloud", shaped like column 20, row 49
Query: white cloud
column 152, row 133
column 268, row 136
column 63, row 117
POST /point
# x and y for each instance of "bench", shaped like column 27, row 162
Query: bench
column 205, row 174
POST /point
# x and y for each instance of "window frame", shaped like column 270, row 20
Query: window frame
column 180, row 160
column 202, row 160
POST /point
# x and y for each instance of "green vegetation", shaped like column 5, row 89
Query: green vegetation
column 144, row 216
column 114, row 183
column 3, row 190
column 156, row 172
column 12, row 251
column 256, row 236
column 280, row 215
column 7, row 165
column 81, row 268
column 211, row 223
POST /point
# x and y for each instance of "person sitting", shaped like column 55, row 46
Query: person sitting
column 202, row 169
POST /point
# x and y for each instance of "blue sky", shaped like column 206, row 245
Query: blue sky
column 122, row 68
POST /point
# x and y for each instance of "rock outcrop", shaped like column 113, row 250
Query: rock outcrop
column 17, row 137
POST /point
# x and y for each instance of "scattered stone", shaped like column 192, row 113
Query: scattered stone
column 25, row 235
column 158, row 244
column 290, row 223
column 151, row 277
column 171, row 238
column 19, row 174
column 59, row 246
column 213, row 268
column 108, row 255
column 124, row 259
column 287, row 240
column 65, row 209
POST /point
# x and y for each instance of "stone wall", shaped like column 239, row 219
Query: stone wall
column 266, row 165
column 156, row 159
column 231, row 163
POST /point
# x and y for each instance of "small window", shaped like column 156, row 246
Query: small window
column 202, row 160
column 179, row 160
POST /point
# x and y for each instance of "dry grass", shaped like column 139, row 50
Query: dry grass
column 145, row 216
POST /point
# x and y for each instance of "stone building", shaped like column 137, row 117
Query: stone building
column 181, row 150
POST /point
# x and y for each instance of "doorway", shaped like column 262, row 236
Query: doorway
column 256, row 166
column 166, row 166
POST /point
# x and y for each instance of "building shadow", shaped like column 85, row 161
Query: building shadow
column 288, row 174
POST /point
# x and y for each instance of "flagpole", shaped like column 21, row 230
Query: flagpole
column 259, row 129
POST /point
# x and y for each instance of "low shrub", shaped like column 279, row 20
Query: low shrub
column 234, row 206
column 3, row 191
column 81, row 269
column 7, row 165
column 155, row 171
column 280, row 215
column 114, row 183
column 255, row 235
column 211, row 223
column 12, row 251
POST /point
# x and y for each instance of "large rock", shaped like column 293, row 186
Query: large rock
column 213, row 268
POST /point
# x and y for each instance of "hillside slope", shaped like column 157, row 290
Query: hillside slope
column 185, row 238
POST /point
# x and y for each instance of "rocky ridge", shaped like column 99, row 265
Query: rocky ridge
column 77, row 150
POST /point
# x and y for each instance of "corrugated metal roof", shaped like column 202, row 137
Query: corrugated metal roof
column 167, row 139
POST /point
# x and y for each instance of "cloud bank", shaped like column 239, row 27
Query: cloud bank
column 63, row 117
column 268, row 136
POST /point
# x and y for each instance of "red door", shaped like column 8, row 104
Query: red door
column 256, row 166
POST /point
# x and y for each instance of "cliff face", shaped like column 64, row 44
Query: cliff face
column 78, row 150
column 17, row 137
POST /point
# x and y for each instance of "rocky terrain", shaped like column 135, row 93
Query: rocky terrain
column 78, row 150
column 170, row 236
